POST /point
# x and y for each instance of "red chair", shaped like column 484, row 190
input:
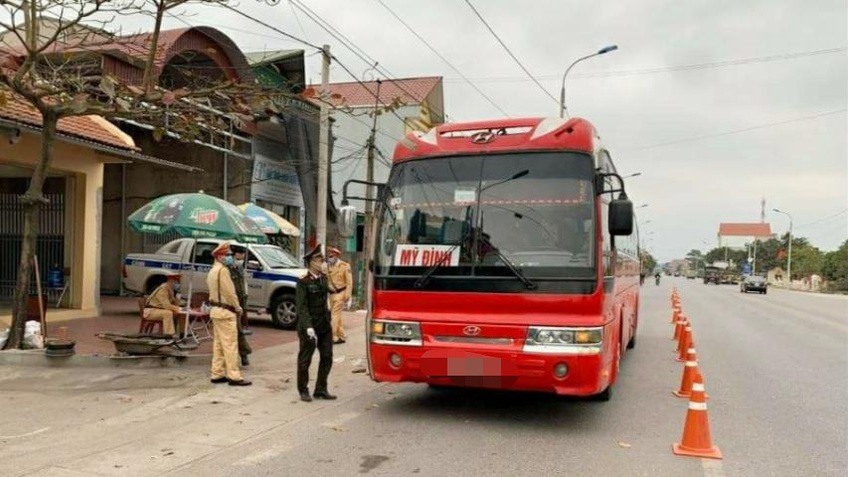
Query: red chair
column 147, row 327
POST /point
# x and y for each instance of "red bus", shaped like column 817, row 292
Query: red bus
column 503, row 256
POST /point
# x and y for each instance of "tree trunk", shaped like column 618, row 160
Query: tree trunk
column 31, row 201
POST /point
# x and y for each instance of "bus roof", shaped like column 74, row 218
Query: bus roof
column 500, row 135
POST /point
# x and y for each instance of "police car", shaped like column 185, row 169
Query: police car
column 271, row 274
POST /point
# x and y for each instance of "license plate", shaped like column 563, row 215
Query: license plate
column 474, row 366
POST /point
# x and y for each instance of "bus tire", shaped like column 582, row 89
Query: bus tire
column 284, row 311
column 632, row 343
column 604, row 395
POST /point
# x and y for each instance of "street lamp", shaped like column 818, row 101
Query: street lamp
column 789, row 258
column 562, row 108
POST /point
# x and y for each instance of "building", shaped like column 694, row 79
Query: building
column 71, row 221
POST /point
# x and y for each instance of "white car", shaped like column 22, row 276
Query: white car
column 271, row 274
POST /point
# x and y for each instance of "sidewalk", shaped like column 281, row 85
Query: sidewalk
column 120, row 315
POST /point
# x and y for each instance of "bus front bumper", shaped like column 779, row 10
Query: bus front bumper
column 584, row 375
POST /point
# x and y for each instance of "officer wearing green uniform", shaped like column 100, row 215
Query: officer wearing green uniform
column 237, row 274
column 314, row 326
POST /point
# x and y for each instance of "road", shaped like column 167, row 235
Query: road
column 774, row 365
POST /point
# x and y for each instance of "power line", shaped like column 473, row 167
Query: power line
column 350, row 45
column 530, row 75
column 665, row 69
column 435, row 52
column 281, row 32
column 296, row 17
column 736, row 131
column 826, row 219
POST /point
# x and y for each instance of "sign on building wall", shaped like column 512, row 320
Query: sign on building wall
column 276, row 182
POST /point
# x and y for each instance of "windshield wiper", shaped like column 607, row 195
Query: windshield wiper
column 422, row 280
column 515, row 271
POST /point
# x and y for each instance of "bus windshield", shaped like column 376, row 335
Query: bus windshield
column 469, row 215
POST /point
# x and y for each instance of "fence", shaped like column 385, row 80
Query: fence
column 50, row 246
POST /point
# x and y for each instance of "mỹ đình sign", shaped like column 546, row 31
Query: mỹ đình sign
column 426, row 255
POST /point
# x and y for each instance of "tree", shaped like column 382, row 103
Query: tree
column 835, row 267
column 50, row 61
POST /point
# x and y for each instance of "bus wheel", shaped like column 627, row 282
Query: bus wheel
column 606, row 394
column 632, row 343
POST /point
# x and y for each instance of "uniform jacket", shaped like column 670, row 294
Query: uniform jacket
column 237, row 275
column 311, row 301
column 222, row 290
column 340, row 279
column 162, row 298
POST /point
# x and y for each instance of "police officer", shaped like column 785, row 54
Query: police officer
column 225, row 311
column 237, row 274
column 162, row 305
column 340, row 283
column 313, row 326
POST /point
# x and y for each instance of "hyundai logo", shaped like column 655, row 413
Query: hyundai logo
column 483, row 137
column 471, row 330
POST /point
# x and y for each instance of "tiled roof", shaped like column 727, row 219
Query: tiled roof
column 408, row 90
column 745, row 230
column 91, row 128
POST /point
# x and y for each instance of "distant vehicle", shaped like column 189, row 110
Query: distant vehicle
column 271, row 273
column 754, row 283
column 712, row 275
column 690, row 275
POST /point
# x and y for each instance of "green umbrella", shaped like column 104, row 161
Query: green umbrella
column 198, row 216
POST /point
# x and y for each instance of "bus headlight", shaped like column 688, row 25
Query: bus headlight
column 391, row 332
column 552, row 340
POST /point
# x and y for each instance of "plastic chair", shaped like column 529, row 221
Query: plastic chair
column 147, row 327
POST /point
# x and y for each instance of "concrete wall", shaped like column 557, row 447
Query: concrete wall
column 84, row 169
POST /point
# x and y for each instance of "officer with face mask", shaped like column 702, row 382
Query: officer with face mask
column 340, row 281
column 313, row 326
column 225, row 311
column 162, row 305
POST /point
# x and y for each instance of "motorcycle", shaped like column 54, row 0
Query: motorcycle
column 658, row 279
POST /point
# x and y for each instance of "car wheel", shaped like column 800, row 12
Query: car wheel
column 284, row 311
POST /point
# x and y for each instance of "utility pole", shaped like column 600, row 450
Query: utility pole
column 323, row 154
column 369, row 173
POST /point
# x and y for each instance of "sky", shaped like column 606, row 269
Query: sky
column 710, row 141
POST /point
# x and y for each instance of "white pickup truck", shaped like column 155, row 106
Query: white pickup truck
column 272, row 274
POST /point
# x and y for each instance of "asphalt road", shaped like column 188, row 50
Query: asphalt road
column 774, row 365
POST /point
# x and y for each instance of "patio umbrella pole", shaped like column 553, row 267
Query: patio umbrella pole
column 189, row 329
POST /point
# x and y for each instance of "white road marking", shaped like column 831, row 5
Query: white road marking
column 712, row 468
column 261, row 457
column 341, row 419
column 39, row 431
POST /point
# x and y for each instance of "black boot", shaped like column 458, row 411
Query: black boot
column 305, row 397
column 324, row 395
column 244, row 360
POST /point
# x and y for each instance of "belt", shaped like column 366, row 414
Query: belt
column 224, row 306
column 338, row 291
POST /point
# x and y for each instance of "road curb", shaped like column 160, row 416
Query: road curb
column 39, row 359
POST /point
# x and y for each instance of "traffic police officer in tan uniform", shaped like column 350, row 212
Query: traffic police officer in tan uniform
column 313, row 327
column 225, row 311
column 340, row 285
column 162, row 304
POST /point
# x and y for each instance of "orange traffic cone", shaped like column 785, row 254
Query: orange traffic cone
column 685, row 338
column 681, row 323
column 689, row 372
column 697, row 441
column 676, row 310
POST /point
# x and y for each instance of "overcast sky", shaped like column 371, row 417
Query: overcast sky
column 792, row 151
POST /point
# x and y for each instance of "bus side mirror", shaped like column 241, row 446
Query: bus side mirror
column 621, row 217
column 347, row 221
